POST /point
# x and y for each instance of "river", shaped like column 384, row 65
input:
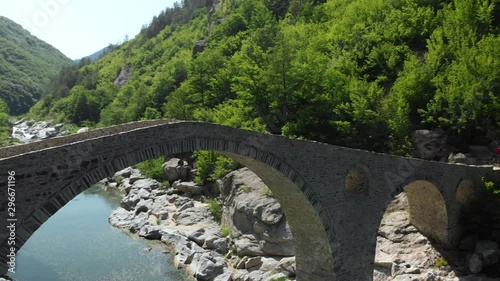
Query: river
column 78, row 244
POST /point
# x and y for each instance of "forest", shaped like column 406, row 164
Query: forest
column 362, row 74
column 27, row 65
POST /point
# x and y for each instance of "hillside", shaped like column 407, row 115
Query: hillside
column 361, row 74
column 97, row 55
column 27, row 65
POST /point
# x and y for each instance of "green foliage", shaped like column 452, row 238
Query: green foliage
column 164, row 185
column 152, row 168
column 119, row 179
column 212, row 166
column 4, row 124
column 267, row 192
column 228, row 232
column 26, row 66
column 441, row 262
column 215, row 209
column 361, row 74
column 245, row 188
column 279, row 279
column 490, row 186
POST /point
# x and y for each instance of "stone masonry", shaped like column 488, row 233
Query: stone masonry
column 334, row 197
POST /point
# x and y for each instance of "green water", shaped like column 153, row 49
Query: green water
column 78, row 244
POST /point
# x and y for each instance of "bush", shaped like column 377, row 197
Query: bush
column 215, row 209
column 119, row 179
column 165, row 185
column 212, row 166
column 152, row 169
column 441, row 262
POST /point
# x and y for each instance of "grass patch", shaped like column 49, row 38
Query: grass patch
column 228, row 232
column 245, row 188
column 152, row 168
column 267, row 192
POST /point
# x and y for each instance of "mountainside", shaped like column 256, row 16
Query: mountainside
column 97, row 55
column 361, row 74
column 27, row 64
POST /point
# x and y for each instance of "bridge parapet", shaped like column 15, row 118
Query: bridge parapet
column 62, row 140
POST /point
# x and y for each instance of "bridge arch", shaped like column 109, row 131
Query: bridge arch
column 308, row 220
column 428, row 212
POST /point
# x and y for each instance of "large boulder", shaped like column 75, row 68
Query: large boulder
column 250, row 208
column 199, row 46
column 430, row 143
column 120, row 217
column 209, row 266
column 188, row 187
column 488, row 251
column 176, row 169
column 83, row 130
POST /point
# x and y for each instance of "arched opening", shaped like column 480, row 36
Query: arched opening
column 413, row 221
column 427, row 210
column 357, row 181
column 298, row 200
column 465, row 192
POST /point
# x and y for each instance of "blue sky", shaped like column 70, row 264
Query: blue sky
column 81, row 27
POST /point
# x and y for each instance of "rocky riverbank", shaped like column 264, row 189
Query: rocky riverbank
column 253, row 240
column 254, row 244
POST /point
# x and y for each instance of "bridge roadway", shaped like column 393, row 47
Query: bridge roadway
column 334, row 197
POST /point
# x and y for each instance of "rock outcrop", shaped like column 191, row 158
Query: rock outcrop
column 430, row 144
column 187, row 226
column 123, row 77
column 250, row 209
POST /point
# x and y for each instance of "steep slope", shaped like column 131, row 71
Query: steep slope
column 361, row 74
column 26, row 66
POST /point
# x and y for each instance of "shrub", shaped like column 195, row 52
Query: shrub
column 212, row 166
column 119, row 179
column 152, row 168
column 164, row 185
column 215, row 209
column 490, row 186
column 226, row 231
column 441, row 262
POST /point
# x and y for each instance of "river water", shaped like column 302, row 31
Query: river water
column 78, row 244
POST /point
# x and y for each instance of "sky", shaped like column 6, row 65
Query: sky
column 79, row 28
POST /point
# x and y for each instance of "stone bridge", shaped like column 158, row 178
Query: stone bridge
column 334, row 197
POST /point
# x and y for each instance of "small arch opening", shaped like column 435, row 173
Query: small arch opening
column 465, row 192
column 357, row 181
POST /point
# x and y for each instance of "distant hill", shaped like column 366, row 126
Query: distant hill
column 27, row 64
column 97, row 55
